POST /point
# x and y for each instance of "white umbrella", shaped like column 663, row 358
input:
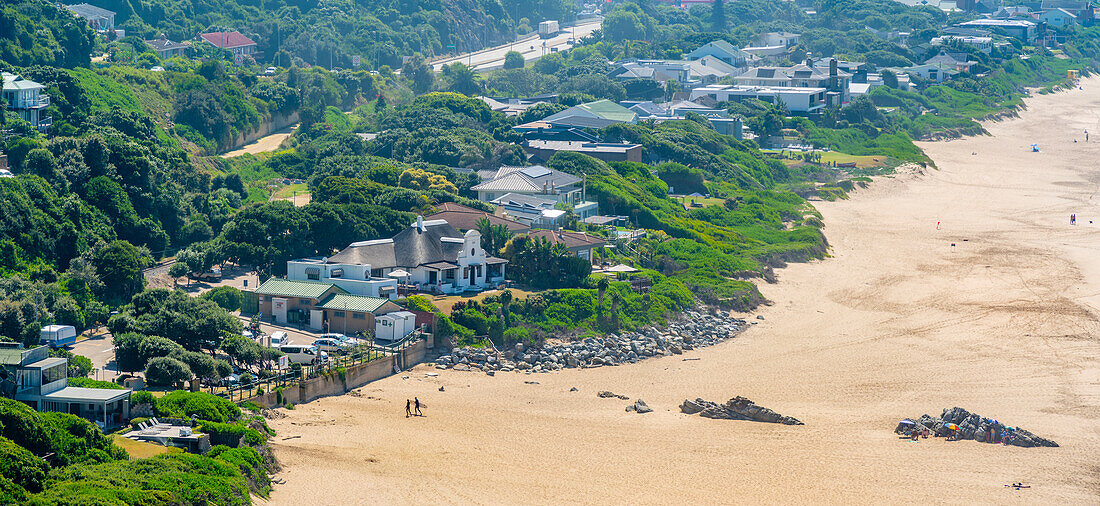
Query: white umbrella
column 621, row 268
column 399, row 274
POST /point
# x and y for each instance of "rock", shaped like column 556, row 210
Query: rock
column 531, row 382
column 462, row 367
column 738, row 408
column 977, row 428
column 441, row 389
column 641, row 407
column 490, row 372
column 606, row 394
column 574, row 389
column 759, row 317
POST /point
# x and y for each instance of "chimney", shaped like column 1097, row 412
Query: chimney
column 832, row 68
column 809, row 59
column 419, row 223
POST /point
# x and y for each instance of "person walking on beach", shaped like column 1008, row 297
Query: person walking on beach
column 1073, row 219
column 408, row 410
column 418, row 413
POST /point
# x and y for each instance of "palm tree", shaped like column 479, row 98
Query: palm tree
column 505, row 306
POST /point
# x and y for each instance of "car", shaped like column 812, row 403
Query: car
column 331, row 345
column 231, row 380
column 270, row 70
column 279, row 338
column 210, row 275
column 306, row 355
column 350, row 341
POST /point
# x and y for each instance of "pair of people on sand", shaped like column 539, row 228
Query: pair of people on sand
column 408, row 408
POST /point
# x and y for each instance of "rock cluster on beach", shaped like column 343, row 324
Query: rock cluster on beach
column 694, row 330
column 737, row 408
column 979, row 428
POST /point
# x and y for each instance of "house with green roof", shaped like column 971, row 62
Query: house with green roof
column 319, row 305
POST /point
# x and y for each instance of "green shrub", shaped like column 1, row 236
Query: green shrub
column 183, row 479
column 231, row 434
column 248, row 462
column 136, row 422
column 21, row 466
column 228, row 297
column 10, row 493
column 142, row 397
column 91, row 383
column 183, row 404
column 70, row 438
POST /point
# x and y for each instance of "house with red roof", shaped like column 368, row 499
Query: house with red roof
column 233, row 41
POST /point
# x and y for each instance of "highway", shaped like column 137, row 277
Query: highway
column 531, row 47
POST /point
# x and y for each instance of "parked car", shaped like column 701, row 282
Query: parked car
column 279, row 338
column 350, row 341
column 270, row 70
column 299, row 354
column 231, row 381
column 210, row 275
column 332, row 345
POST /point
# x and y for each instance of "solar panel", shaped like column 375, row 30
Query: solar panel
column 536, row 171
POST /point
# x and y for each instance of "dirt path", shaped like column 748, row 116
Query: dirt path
column 263, row 144
column 898, row 322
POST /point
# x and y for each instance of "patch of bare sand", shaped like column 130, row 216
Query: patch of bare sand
column 897, row 323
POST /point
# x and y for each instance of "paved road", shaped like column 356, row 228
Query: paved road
column 101, row 352
column 532, row 48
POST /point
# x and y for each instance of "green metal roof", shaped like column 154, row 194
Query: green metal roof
column 290, row 288
column 609, row 110
column 356, row 303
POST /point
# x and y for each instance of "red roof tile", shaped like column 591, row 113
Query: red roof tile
column 227, row 40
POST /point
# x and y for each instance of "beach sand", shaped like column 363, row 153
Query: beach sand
column 895, row 324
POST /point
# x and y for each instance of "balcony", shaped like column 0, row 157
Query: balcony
column 43, row 101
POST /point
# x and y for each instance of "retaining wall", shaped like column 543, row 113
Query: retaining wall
column 355, row 377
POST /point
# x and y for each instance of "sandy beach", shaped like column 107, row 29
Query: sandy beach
column 896, row 323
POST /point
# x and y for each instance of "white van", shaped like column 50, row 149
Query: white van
column 301, row 354
column 279, row 339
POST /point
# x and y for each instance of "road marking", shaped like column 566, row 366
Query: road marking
column 108, row 350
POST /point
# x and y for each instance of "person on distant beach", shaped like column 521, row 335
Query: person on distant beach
column 408, row 410
column 418, row 413
column 1073, row 219
column 1086, row 135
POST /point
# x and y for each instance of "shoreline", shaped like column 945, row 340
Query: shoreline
column 895, row 322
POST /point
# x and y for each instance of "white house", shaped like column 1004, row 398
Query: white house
column 41, row 381
column 785, row 39
column 430, row 255
column 720, row 50
column 25, row 97
column 796, row 99
column 540, row 182
column 1058, row 17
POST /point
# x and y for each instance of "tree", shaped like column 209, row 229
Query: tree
column 167, row 371
column 601, row 290
column 513, row 60
column 119, row 265
column 493, row 237
column 226, row 297
column 889, row 79
column 176, row 271
column 128, row 352
column 718, row 16
column 463, row 79
column 419, row 73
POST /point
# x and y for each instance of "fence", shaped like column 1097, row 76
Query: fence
column 360, row 355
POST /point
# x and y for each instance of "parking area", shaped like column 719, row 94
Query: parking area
column 100, row 350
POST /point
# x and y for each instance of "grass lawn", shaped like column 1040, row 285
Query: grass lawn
column 700, row 202
column 863, row 162
column 444, row 302
column 141, row 450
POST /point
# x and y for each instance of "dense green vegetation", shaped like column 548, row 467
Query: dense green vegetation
column 33, row 32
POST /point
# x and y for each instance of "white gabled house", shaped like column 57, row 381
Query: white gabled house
column 429, row 256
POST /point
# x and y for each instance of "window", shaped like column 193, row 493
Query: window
column 305, row 302
column 54, row 373
column 313, row 273
column 376, row 273
column 336, row 273
column 337, row 314
column 358, row 316
column 471, row 252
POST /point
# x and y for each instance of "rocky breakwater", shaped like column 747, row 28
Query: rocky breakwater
column 737, row 408
column 694, row 330
column 975, row 427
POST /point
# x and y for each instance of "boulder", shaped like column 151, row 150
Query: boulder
column 641, row 407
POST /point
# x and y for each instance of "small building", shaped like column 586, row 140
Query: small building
column 233, row 41
column 1022, row 29
column 1058, row 17
column 578, row 243
column 98, row 19
column 167, row 49
column 805, row 75
column 931, row 72
column 798, row 100
column 42, row 382
column 465, row 218
column 720, row 50
column 785, row 39
column 533, row 180
column 957, row 61
column 542, row 151
column 319, row 305
column 394, row 326
column 983, row 44
column 25, row 97
column 531, row 210
column 767, row 53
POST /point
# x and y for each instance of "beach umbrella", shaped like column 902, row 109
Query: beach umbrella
column 907, row 422
column 952, row 426
column 399, row 274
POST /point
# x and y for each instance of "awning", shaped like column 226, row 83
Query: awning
column 621, row 268
column 387, row 288
column 399, row 273
column 316, row 271
column 336, row 273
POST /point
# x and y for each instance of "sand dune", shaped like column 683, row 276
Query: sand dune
column 896, row 323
